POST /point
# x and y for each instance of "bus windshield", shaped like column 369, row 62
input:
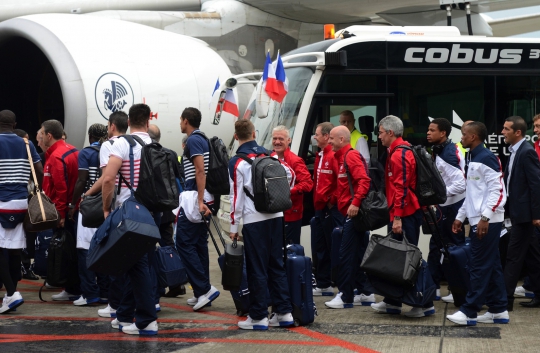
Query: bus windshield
column 285, row 113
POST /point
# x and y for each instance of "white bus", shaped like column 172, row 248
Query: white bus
column 415, row 73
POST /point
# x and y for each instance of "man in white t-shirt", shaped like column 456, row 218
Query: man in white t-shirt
column 117, row 126
column 137, row 299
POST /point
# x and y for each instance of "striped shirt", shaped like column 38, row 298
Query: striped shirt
column 14, row 167
column 196, row 145
column 89, row 160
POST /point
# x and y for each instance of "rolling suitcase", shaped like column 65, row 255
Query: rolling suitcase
column 298, row 270
column 334, row 253
column 455, row 263
column 241, row 295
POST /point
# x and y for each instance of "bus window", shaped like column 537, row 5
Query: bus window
column 518, row 95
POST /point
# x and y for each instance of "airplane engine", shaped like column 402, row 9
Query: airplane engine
column 80, row 69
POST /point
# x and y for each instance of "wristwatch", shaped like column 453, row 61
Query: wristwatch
column 484, row 218
column 397, row 218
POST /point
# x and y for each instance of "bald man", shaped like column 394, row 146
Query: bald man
column 351, row 165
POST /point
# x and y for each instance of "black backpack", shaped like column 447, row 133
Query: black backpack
column 157, row 189
column 217, row 176
column 62, row 261
column 271, row 189
column 430, row 186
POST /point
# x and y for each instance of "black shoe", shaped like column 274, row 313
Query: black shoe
column 176, row 291
column 534, row 303
column 30, row 275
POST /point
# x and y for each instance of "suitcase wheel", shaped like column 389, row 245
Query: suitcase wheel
column 296, row 322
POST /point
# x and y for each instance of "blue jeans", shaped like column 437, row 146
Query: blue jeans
column 487, row 279
column 263, row 245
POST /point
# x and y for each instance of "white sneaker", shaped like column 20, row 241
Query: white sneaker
column 438, row 294
column 522, row 292
column 107, row 312
column 461, row 319
column 337, row 303
column 158, row 308
column 63, row 295
column 83, row 301
column 118, row 325
column 448, row 299
column 382, row 307
column 11, row 303
column 251, row 324
column 280, row 320
column 489, row 318
column 212, row 294
column 364, row 300
column 193, row 301
column 150, row 330
column 323, row 291
column 420, row 312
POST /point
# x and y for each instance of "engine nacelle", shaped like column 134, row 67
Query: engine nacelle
column 80, row 69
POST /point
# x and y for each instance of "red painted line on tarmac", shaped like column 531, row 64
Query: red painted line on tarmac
column 36, row 283
column 332, row 341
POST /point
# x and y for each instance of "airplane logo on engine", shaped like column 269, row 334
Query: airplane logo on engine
column 113, row 93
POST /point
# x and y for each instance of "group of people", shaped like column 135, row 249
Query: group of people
column 477, row 190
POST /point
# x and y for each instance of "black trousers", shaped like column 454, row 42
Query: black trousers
column 523, row 249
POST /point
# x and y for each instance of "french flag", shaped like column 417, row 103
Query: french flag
column 216, row 87
column 229, row 103
column 276, row 82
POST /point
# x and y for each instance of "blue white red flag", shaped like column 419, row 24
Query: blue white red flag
column 229, row 103
column 277, row 84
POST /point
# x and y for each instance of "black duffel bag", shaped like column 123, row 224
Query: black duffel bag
column 395, row 261
column 373, row 212
column 91, row 209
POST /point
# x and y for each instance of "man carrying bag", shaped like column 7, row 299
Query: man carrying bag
column 353, row 242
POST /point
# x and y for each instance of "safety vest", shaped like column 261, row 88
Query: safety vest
column 355, row 135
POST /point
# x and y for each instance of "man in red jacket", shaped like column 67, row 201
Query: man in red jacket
column 352, row 243
column 405, row 211
column 60, row 174
column 327, row 216
column 299, row 180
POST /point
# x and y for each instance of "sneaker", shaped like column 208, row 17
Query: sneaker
column 438, row 294
column 522, row 292
column 461, row 319
column 251, row 324
column 63, row 295
column 107, row 312
column 489, row 318
column 420, row 312
column 448, row 299
column 337, row 303
column 364, row 300
column 281, row 320
column 382, row 307
column 323, row 291
column 83, row 301
column 212, row 294
column 150, row 330
column 193, row 301
column 11, row 303
column 118, row 325
column 158, row 308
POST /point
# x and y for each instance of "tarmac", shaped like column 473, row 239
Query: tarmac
column 62, row 327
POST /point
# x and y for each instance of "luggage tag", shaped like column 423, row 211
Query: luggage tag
column 503, row 232
column 507, row 223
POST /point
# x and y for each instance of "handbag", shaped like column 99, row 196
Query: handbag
column 395, row 261
column 42, row 213
column 91, row 209
column 233, row 266
column 373, row 212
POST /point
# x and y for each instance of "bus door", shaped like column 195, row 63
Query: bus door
column 368, row 110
